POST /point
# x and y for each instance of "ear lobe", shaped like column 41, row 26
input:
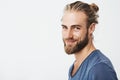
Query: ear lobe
column 92, row 28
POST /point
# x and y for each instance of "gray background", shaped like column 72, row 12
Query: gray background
column 31, row 46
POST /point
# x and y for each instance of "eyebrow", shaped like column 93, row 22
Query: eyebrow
column 76, row 26
column 63, row 25
column 73, row 26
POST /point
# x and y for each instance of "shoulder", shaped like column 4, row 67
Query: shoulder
column 98, row 58
column 102, row 71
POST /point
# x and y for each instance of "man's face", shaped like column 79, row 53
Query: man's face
column 74, row 31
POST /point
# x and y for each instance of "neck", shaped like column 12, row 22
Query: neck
column 84, row 53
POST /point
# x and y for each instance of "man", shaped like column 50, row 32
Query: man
column 78, row 24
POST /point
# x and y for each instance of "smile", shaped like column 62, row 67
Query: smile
column 69, row 42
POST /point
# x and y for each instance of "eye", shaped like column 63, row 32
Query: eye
column 77, row 28
column 64, row 27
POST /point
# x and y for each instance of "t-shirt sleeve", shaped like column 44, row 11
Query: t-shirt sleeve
column 102, row 71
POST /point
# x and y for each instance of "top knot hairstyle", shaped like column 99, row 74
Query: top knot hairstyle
column 89, row 9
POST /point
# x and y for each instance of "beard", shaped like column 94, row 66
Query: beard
column 72, row 49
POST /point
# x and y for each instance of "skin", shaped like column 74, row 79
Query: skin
column 74, row 31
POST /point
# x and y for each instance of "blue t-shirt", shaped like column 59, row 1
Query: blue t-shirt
column 95, row 67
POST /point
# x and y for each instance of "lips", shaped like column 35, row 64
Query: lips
column 70, row 41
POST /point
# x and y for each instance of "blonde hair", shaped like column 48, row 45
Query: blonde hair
column 89, row 9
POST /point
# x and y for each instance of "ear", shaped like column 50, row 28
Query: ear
column 92, row 28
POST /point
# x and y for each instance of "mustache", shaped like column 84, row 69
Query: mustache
column 69, row 39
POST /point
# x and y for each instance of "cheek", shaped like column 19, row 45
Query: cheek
column 77, row 35
column 63, row 34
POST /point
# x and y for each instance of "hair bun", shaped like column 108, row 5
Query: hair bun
column 94, row 7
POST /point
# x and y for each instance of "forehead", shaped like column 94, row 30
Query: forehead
column 73, row 17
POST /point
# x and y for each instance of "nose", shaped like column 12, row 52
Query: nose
column 68, row 34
